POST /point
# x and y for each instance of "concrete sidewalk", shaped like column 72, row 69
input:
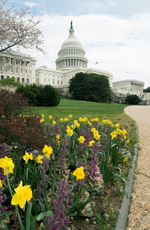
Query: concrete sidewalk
column 139, row 213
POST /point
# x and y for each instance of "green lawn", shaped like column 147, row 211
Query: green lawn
column 82, row 109
column 113, row 111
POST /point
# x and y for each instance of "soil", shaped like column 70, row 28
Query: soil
column 103, row 204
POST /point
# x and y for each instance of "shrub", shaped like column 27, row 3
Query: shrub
column 51, row 96
column 26, row 132
column 11, row 103
column 39, row 95
column 132, row 100
column 29, row 92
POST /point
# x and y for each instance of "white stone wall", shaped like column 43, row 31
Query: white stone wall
column 129, row 87
column 58, row 78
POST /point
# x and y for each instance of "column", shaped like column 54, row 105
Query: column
column 19, row 67
column 14, row 66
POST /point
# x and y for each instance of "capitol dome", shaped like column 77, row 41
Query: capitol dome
column 71, row 54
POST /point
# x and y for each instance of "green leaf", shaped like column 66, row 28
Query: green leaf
column 43, row 214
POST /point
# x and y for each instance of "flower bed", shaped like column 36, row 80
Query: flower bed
column 48, row 186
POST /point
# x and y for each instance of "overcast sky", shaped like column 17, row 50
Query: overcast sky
column 114, row 33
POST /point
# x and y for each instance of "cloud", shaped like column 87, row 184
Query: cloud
column 31, row 4
column 119, row 45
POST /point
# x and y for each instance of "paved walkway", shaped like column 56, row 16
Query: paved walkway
column 139, row 214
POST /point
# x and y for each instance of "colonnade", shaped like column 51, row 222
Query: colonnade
column 19, row 67
column 71, row 63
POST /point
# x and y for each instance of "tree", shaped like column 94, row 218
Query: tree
column 9, row 81
column 18, row 29
column 90, row 87
column 132, row 100
column 146, row 90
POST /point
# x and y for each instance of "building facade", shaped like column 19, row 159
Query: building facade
column 71, row 60
column 19, row 66
column 128, row 87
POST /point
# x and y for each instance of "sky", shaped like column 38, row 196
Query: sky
column 114, row 33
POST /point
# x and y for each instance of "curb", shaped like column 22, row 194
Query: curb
column 123, row 216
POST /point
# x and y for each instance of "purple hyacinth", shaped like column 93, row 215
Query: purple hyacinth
column 3, row 198
column 94, row 171
column 62, row 201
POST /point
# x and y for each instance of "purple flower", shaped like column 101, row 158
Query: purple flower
column 3, row 198
column 62, row 201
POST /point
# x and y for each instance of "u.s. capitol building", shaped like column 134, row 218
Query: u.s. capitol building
column 71, row 60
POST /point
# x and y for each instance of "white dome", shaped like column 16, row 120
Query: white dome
column 71, row 41
column 71, row 54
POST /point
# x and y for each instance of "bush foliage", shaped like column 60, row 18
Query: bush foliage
column 132, row 100
column 25, row 131
column 11, row 103
column 40, row 95
column 146, row 90
column 90, row 87
column 10, row 81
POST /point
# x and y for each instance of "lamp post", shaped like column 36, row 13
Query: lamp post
column 107, row 96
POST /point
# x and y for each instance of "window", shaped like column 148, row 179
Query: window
column 58, row 82
column 53, row 81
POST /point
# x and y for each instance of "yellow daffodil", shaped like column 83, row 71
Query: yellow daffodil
column 50, row 117
column 7, row 165
column 1, row 185
column 61, row 119
column 73, row 126
column 80, row 119
column 39, row 159
column 77, row 125
column 127, row 140
column 89, row 123
column 93, row 130
column 79, row 173
column 91, row 143
column 43, row 115
column 54, row 122
column 47, row 151
column 88, row 156
column 117, row 125
column 23, row 194
column 107, row 122
column 70, row 132
column 65, row 119
column 27, row 156
column 70, row 116
column 81, row 139
column 42, row 120
column 57, row 136
column 97, row 136
column 125, row 159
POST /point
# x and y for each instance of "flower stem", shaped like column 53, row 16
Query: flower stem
column 16, row 207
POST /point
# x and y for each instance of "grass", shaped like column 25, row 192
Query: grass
column 83, row 109
column 113, row 111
